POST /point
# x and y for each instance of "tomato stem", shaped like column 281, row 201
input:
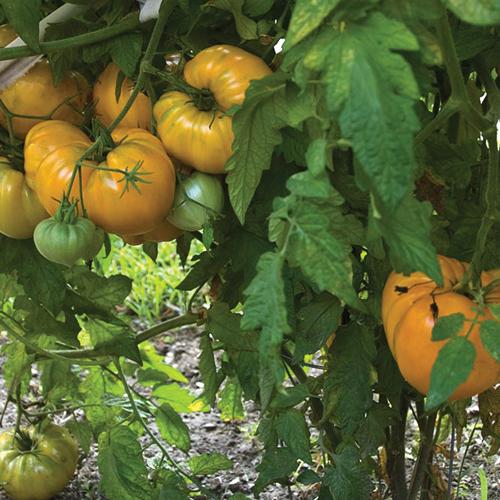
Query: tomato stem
column 127, row 24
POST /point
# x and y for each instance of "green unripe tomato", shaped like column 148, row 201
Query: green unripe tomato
column 66, row 242
column 37, row 464
column 198, row 198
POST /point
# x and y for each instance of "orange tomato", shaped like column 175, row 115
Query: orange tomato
column 203, row 138
column 412, row 304
column 107, row 107
column 35, row 94
column 164, row 232
column 20, row 209
column 51, row 150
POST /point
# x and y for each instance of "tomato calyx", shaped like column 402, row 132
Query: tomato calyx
column 66, row 212
column 24, row 442
column 204, row 100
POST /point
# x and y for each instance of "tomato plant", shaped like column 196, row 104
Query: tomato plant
column 37, row 463
column 346, row 180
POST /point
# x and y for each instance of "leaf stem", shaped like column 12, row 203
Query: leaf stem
column 490, row 213
column 186, row 319
column 127, row 24
column 42, row 353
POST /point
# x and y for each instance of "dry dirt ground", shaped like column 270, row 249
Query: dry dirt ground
column 238, row 442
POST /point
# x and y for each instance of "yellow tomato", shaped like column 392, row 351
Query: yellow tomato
column 35, row 94
column 164, row 232
column 107, row 107
column 20, row 209
column 203, row 138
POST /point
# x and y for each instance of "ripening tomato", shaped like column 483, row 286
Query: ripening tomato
column 198, row 199
column 20, row 209
column 35, row 94
column 65, row 240
column 412, row 304
column 112, row 201
column 164, row 232
column 37, row 464
column 202, row 138
column 107, row 107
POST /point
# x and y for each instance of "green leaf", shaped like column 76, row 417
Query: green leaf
column 265, row 308
column 307, row 16
column 246, row 27
column 407, row 232
column 316, row 156
column 451, row 368
column 113, row 338
column 276, row 464
column 347, row 387
column 257, row 7
column 490, row 337
column 95, row 389
column 372, row 87
column 82, row 431
column 495, row 310
column 153, row 360
column 179, row 398
column 208, row 370
column 291, row 396
column 172, row 428
column 42, row 280
column 24, row 16
column 123, row 473
column 256, row 128
column 58, row 381
column 372, row 431
column 209, row 463
column 39, row 321
column 448, row 326
column 482, row 12
column 319, row 242
column 348, row 478
column 104, row 293
column 230, row 404
column 150, row 248
column 317, row 321
column 292, row 428
column 126, row 50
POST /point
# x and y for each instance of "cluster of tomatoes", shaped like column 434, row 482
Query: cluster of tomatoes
column 67, row 202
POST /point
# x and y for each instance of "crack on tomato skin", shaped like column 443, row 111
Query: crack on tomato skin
column 401, row 289
column 434, row 310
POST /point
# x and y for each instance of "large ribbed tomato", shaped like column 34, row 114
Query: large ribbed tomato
column 37, row 464
column 164, row 232
column 50, row 151
column 20, row 209
column 112, row 202
column 412, row 304
column 203, row 138
column 107, row 107
column 35, row 94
